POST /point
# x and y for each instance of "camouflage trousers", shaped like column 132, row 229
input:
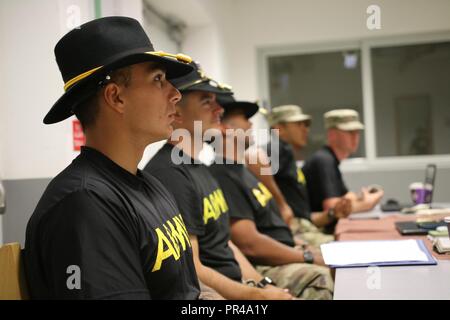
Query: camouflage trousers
column 304, row 281
column 305, row 230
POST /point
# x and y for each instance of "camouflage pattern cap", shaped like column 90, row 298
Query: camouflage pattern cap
column 287, row 113
column 343, row 119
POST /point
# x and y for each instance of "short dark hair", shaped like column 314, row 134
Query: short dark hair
column 87, row 110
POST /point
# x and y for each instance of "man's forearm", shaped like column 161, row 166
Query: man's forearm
column 247, row 269
column 320, row 219
column 358, row 204
column 267, row 251
column 361, row 206
column 226, row 287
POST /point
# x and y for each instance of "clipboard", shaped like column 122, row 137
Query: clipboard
column 430, row 260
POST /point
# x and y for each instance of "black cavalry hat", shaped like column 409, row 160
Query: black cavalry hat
column 230, row 104
column 86, row 55
column 196, row 80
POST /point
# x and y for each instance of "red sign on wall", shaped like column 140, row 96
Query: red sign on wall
column 79, row 138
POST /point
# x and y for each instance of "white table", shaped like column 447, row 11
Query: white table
column 394, row 283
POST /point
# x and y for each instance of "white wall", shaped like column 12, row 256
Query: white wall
column 31, row 84
column 205, row 45
column 262, row 23
column 128, row 8
column 158, row 32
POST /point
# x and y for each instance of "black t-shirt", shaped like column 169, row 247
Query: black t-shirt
column 202, row 205
column 120, row 234
column 324, row 177
column 291, row 181
column 248, row 198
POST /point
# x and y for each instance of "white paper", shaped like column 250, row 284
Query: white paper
column 375, row 213
column 371, row 252
column 365, row 215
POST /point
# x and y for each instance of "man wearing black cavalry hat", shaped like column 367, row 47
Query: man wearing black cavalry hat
column 104, row 229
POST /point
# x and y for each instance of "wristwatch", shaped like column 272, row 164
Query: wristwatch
column 331, row 215
column 308, row 256
column 250, row 283
column 264, row 282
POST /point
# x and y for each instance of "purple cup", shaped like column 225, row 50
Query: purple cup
column 420, row 193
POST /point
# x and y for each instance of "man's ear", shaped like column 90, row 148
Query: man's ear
column 113, row 96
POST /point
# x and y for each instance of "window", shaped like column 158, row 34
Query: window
column 318, row 82
column 412, row 99
column 400, row 87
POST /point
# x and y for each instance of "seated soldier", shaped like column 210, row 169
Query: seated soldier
column 292, row 127
column 256, row 225
column 325, row 183
column 97, row 231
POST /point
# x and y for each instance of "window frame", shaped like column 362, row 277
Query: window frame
column 371, row 162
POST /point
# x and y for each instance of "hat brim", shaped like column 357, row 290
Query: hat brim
column 249, row 108
column 224, row 99
column 206, row 87
column 350, row 126
column 64, row 106
column 296, row 118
